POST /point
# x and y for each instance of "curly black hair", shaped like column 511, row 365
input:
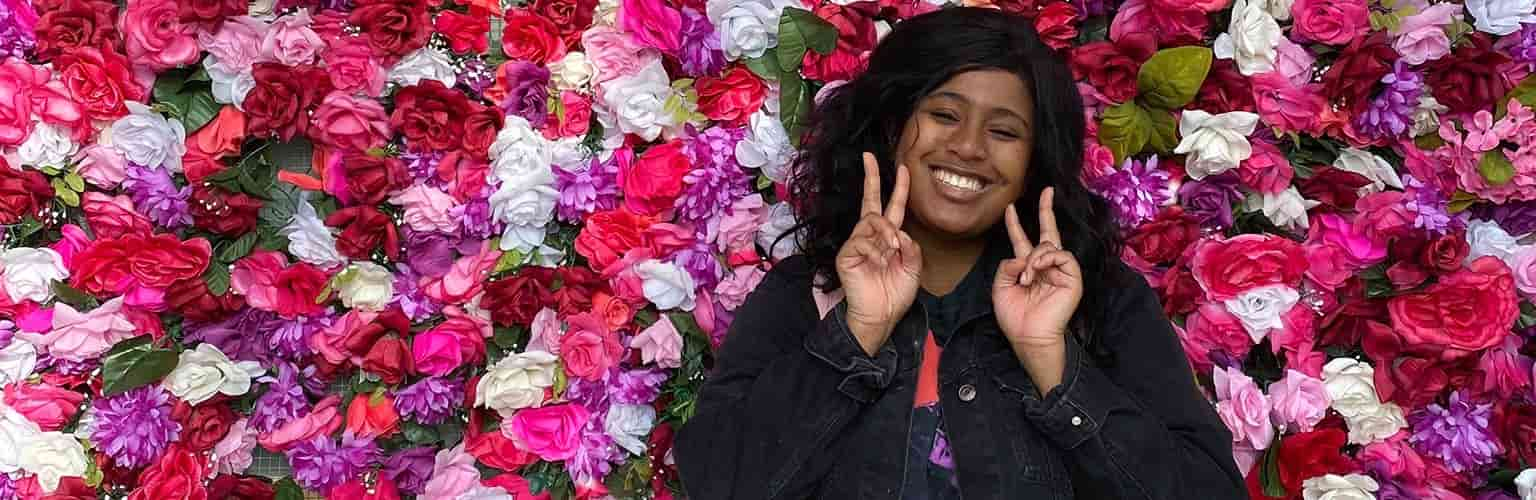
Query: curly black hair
column 868, row 113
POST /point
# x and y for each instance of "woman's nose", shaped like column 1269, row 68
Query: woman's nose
column 968, row 143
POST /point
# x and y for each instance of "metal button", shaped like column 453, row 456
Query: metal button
column 1076, row 421
column 967, row 392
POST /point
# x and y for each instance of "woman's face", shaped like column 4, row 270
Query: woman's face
column 967, row 148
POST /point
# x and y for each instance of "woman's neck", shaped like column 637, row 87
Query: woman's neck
column 946, row 260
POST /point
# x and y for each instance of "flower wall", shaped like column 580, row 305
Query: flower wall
column 504, row 269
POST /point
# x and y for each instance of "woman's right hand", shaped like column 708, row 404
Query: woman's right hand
column 880, row 264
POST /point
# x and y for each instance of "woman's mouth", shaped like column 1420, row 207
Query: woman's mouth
column 958, row 187
column 958, row 180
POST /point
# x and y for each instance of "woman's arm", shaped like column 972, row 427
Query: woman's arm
column 1140, row 429
column 783, row 388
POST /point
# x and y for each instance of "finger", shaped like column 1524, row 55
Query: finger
column 896, row 210
column 1009, row 272
column 871, row 185
column 867, row 250
column 1021, row 245
column 911, row 254
column 1048, row 217
column 889, row 234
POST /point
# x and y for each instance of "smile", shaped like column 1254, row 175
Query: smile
column 959, row 181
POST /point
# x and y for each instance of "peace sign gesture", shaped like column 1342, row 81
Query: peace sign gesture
column 1035, row 293
column 880, row 264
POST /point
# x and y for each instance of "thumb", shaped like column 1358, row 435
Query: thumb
column 1008, row 272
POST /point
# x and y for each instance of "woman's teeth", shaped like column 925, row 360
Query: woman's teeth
column 958, row 181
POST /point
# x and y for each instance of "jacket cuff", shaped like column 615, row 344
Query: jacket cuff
column 1075, row 410
column 865, row 377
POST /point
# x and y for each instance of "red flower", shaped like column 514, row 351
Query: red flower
column 569, row 16
column 480, row 127
column 100, row 80
column 1311, row 454
column 191, row 299
column 465, row 33
column 652, row 183
column 224, row 212
column 279, row 104
column 1112, row 67
column 732, row 97
column 390, row 359
column 1164, row 238
column 210, row 12
column 363, row 230
column 22, row 192
column 1334, row 188
column 370, row 179
column 1359, row 68
column 577, row 287
column 515, row 299
column 1445, row 253
column 1410, row 382
column 177, row 476
column 393, row 27
column 1515, row 425
column 430, row 116
column 111, row 266
column 365, row 417
column 532, row 38
column 76, row 24
column 1465, row 312
column 1056, row 24
column 231, row 487
column 1470, row 78
column 1227, row 268
column 47, row 406
column 1225, row 89
column 203, row 425
column 608, row 235
column 856, row 36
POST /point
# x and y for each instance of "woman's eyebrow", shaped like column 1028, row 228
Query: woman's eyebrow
column 947, row 94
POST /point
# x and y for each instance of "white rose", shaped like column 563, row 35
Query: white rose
column 146, row 138
column 1262, row 309
column 779, row 221
column 629, row 426
column 1286, row 208
column 53, row 456
column 1280, row 9
column 425, row 63
column 1352, row 387
column 1336, row 487
column 229, row 87
column 1376, row 426
column 1373, row 167
column 526, row 211
column 1487, row 238
column 516, row 382
column 1525, row 483
column 1216, row 143
column 261, row 8
column 310, row 239
column 766, row 148
column 30, row 273
column 747, row 27
column 1501, row 17
column 666, row 285
column 639, row 101
column 205, row 371
column 1250, row 38
column 1426, row 118
column 15, row 432
column 17, row 360
column 521, row 155
column 47, row 146
column 569, row 153
column 572, row 72
column 366, row 286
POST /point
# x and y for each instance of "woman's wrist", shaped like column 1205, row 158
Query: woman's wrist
column 1046, row 364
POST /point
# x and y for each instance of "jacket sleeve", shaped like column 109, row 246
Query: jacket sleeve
column 1139, row 429
column 780, row 394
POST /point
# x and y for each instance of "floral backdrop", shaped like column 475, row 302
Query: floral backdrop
column 524, row 227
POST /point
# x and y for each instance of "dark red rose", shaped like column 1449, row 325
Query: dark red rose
column 515, row 299
column 856, row 36
column 364, row 229
column 570, row 17
column 1181, row 292
column 1469, row 79
column 1112, row 68
column 223, row 212
column 1355, row 75
column 22, row 192
column 210, row 12
column 430, row 116
column 1353, row 321
column 1026, row 8
column 1225, row 89
column 203, row 425
column 731, row 97
column 75, row 23
column 1515, row 425
column 1446, row 253
column 279, row 104
column 1335, row 188
column 191, row 299
column 1310, row 454
column 231, row 487
column 1057, row 25
column 371, row 179
column 1164, row 238
column 1410, row 382
column 532, row 38
column 658, row 446
column 465, row 33
column 480, row 128
column 390, row 322
column 390, row 359
column 577, row 286
column 392, row 27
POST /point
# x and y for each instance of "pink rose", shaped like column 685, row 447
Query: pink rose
column 427, row 209
column 1395, row 458
column 1327, row 265
column 436, row 352
column 738, row 228
column 734, row 288
column 17, row 82
column 345, row 121
column 1504, row 370
column 51, row 408
column 1525, row 271
column 1183, row 24
column 1267, row 170
column 353, row 68
column 1383, row 216
column 1299, row 401
column 1360, row 250
column 1293, row 61
column 1243, row 407
column 589, row 349
column 552, row 432
column 1333, row 22
column 323, row 420
column 453, row 473
column 1285, row 106
column 653, row 181
column 237, row 44
column 545, row 332
column 102, row 166
column 155, row 36
column 113, row 216
column 613, row 52
column 1211, row 329
column 78, row 336
column 1421, row 37
column 653, row 23
column 465, row 279
column 1228, row 267
column 290, row 41
column 660, row 344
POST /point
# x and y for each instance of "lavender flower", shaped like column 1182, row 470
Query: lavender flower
column 17, row 35
column 637, row 387
column 700, row 262
column 476, row 217
column 1522, row 46
column 1457, row 433
column 7, row 332
column 701, row 54
column 1430, row 207
column 422, row 165
column 591, row 394
column 1210, row 200
column 240, row 336
column 476, row 75
column 321, row 464
column 289, row 339
column 1135, row 191
column 410, row 468
column 429, row 401
column 283, row 401
column 1390, row 114
column 413, row 301
column 428, row 253
column 527, row 91
column 595, row 456
column 718, row 181
column 135, row 427
column 1390, row 489
column 156, row 196
column 65, row 366
column 586, row 191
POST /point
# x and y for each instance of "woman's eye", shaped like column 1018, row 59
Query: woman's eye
column 1006, row 134
column 945, row 116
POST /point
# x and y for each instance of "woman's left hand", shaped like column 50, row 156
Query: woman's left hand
column 1035, row 293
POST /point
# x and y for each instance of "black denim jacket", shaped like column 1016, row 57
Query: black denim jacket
column 796, row 409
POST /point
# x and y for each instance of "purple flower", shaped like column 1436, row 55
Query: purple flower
column 428, row 253
column 135, row 427
column 17, row 35
column 410, row 468
column 289, row 339
column 240, row 336
column 595, row 456
column 283, row 401
column 476, row 217
column 718, row 181
column 586, row 191
column 430, row 400
column 422, row 165
column 7, row 332
column 700, row 262
column 1390, row 114
column 65, row 366
column 1391, row 489
column 1429, row 206
column 1135, row 191
column 1456, row 433
column 637, row 387
column 700, row 54
column 156, row 196
column 1516, row 217
column 1210, row 200
column 476, row 75
column 527, row 91
column 413, row 301
column 590, row 394
column 1522, row 46
column 321, row 464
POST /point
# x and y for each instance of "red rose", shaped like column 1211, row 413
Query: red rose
column 1225, row 89
column 569, row 16
column 22, row 192
column 74, row 488
column 1026, row 8
column 574, row 121
column 388, row 358
column 1334, row 188
column 297, row 286
column 465, row 33
column 47, row 406
column 1229, row 267
column 652, row 182
column 365, row 417
column 177, row 476
column 1057, row 25
column 75, row 24
column 112, row 217
column 1410, row 382
column 220, row 211
column 160, row 260
column 1353, row 322
column 370, row 179
column 363, row 230
column 1357, row 71
column 203, row 425
column 608, row 235
column 1181, row 293
column 856, row 36
column 480, row 128
column 210, row 13
column 515, row 299
column 360, row 340
column 1515, row 425
column 430, row 116
column 1165, row 237
column 532, row 38
column 496, row 449
column 191, row 299
column 1446, row 253
column 1467, row 311
column 100, row 80
column 1470, row 78
column 393, row 27
column 231, row 487
column 1310, row 454
column 614, row 313
column 1110, row 67
column 279, row 104
column 731, row 97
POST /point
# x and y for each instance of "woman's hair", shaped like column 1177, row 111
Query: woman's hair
column 869, row 112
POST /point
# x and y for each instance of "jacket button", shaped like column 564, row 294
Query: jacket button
column 967, row 392
column 1076, row 421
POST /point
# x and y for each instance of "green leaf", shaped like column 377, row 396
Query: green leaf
column 418, row 434
column 257, row 177
column 69, row 198
column 74, row 296
column 1525, row 92
column 801, row 30
column 75, row 182
column 1495, row 168
column 1460, row 200
column 286, row 489
column 1165, row 131
column 766, row 65
column 200, row 109
column 763, row 182
column 238, row 248
column 1125, row 129
column 217, row 278
column 278, row 211
column 794, row 104
column 1170, row 79
column 509, row 261
column 134, row 365
column 1269, row 474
